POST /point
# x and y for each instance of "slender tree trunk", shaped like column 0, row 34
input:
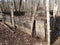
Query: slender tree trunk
column 2, row 2
column 20, row 4
column 34, row 13
column 8, row 5
column 48, row 22
column 3, row 9
column 12, row 17
column 15, row 5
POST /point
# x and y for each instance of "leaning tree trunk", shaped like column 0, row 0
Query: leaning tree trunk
column 34, row 13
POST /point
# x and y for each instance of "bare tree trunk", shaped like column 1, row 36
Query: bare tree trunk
column 12, row 17
column 8, row 5
column 36, row 4
column 2, row 2
column 15, row 5
column 48, row 22
column 3, row 9
column 20, row 4
column 55, row 8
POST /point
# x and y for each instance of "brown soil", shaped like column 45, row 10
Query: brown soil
column 16, row 38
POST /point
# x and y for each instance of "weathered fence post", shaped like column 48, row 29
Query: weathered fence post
column 12, row 17
column 48, row 22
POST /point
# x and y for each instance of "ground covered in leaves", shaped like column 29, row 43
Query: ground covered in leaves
column 16, row 38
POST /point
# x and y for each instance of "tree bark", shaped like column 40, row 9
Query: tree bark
column 34, row 13
column 12, row 17
column 20, row 4
column 48, row 22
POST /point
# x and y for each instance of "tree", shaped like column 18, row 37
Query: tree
column 48, row 22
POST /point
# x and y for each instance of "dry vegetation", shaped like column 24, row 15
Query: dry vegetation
column 16, row 38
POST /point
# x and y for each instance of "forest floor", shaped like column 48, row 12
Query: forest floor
column 16, row 38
